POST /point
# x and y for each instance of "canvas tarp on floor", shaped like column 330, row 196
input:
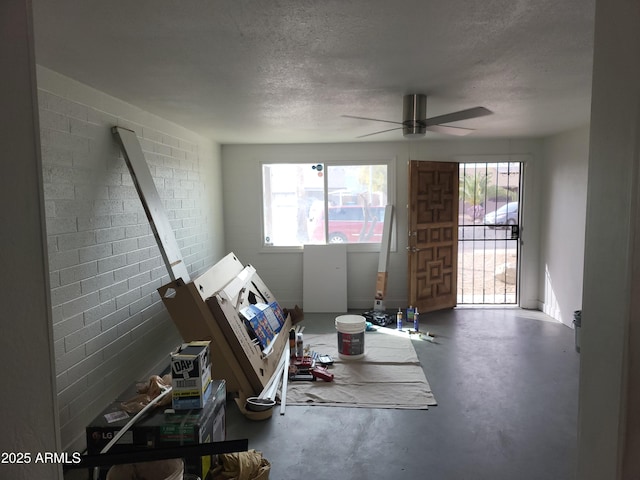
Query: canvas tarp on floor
column 389, row 375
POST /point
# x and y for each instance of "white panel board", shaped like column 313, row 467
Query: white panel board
column 324, row 278
column 153, row 206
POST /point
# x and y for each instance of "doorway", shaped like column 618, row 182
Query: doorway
column 464, row 227
column 488, row 233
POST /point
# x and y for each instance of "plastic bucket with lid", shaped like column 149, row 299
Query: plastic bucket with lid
column 159, row 470
column 351, row 330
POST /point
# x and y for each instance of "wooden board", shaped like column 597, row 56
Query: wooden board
column 383, row 260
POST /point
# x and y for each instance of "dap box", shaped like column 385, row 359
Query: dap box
column 159, row 429
column 191, row 375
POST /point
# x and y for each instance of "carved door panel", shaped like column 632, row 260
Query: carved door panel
column 433, row 235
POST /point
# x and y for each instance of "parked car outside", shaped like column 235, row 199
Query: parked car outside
column 505, row 215
column 347, row 224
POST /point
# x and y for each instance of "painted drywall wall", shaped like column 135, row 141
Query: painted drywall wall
column 110, row 328
column 608, row 415
column 282, row 271
column 562, row 219
column 28, row 411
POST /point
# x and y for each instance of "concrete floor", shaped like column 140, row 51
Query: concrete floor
column 506, row 382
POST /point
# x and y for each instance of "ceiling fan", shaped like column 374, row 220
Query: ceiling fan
column 415, row 122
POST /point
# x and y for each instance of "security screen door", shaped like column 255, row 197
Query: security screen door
column 488, row 233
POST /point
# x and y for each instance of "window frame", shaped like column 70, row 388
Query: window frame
column 351, row 247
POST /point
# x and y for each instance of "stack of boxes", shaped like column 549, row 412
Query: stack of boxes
column 198, row 414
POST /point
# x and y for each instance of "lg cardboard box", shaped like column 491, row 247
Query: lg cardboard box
column 161, row 429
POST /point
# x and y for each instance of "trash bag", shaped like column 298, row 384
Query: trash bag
column 250, row 465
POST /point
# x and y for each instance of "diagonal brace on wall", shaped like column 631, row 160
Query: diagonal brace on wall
column 152, row 204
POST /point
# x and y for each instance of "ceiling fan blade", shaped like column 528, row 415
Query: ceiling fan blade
column 381, row 131
column 459, row 131
column 372, row 119
column 467, row 114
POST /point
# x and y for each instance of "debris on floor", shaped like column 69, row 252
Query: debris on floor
column 396, row 320
column 305, row 364
column 380, row 318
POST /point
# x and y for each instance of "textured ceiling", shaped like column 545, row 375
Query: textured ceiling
column 284, row 71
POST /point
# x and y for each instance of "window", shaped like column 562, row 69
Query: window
column 323, row 203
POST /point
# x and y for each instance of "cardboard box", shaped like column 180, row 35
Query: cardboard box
column 163, row 429
column 269, row 312
column 257, row 324
column 208, row 308
column 277, row 311
column 264, row 321
column 191, row 375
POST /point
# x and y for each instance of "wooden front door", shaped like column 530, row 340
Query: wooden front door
column 433, row 235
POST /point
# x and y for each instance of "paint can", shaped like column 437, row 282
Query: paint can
column 351, row 330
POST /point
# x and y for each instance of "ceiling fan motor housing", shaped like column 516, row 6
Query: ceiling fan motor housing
column 414, row 114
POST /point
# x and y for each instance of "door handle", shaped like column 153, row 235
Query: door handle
column 413, row 249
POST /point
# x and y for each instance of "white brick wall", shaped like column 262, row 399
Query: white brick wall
column 110, row 327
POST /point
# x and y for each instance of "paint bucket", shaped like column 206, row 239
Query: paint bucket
column 160, row 469
column 351, row 336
